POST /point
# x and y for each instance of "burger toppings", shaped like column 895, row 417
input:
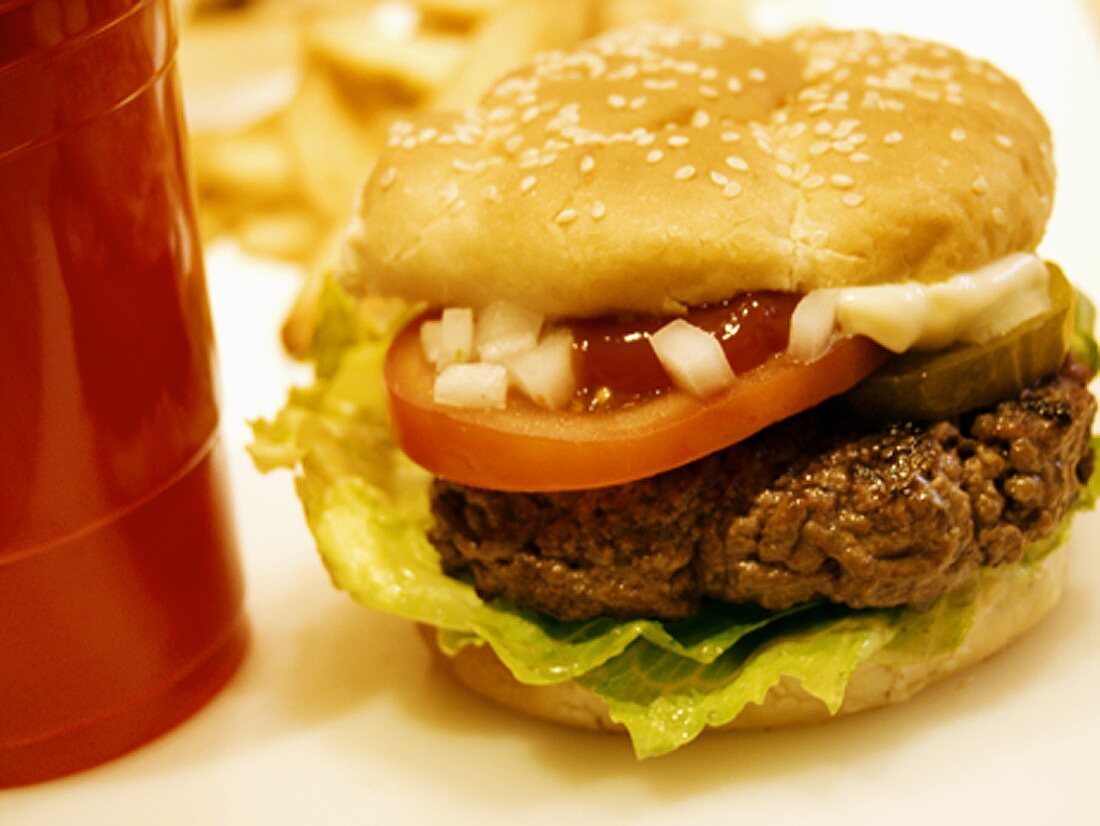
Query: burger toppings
column 527, row 446
column 608, row 362
column 692, row 357
column 472, row 385
column 812, row 507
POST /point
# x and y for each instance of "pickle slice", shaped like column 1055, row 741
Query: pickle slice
column 935, row 385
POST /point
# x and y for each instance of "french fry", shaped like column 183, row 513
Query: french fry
column 414, row 63
column 511, row 37
column 287, row 234
column 458, row 15
column 723, row 14
column 332, row 148
column 253, row 166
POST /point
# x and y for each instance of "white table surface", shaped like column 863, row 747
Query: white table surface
column 339, row 715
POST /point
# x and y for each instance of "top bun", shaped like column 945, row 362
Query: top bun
column 659, row 168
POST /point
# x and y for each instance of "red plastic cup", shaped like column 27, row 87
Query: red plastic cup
column 120, row 590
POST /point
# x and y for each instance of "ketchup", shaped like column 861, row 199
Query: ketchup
column 120, row 591
column 617, row 365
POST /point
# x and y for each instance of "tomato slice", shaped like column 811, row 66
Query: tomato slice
column 529, row 448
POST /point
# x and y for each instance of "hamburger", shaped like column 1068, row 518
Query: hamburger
column 692, row 380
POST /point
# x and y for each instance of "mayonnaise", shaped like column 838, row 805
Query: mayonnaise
column 972, row 307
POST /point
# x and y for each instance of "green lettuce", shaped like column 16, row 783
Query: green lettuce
column 367, row 506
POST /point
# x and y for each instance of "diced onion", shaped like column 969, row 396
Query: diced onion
column 505, row 330
column 430, row 333
column 456, row 336
column 479, row 386
column 692, row 357
column 545, row 374
column 812, row 325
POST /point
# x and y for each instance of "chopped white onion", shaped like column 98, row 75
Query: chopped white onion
column 430, row 333
column 545, row 374
column 456, row 336
column 692, row 357
column 812, row 325
column 472, row 385
column 505, row 330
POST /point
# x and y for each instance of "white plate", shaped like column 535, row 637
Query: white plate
column 339, row 715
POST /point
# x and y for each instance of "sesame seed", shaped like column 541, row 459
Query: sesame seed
column 859, row 157
column 719, row 178
column 823, row 127
column 783, row 171
column 409, row 143
column 841, row 181
column 757, row 75
column 701, row 119
column 529, row 114
column 566, row 216
column 654, row 156
column 489, row 192
column 598, row 210
column 812, row 182
column 685, row 173
column 732, row 189
column 980, row 185
column 738, row 163
column 958, row 134
column 731, row 137
column 852, row 199
column 388, row 177
column 638, row 102
column 588, row 163
column 709, row 92
column 734, row 85
column 843, row 146
column 528, row 183
column 1004, row 141
column 678, row 140
column 709, row 73
column 891, row 138
column 819, row 147
column 616, row 101
column 999, row 216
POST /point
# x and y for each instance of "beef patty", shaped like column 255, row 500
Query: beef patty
column 816, row 506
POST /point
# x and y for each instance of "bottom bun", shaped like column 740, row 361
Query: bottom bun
column 1008, row 605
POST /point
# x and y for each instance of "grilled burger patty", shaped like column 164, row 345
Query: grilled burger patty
column 816, row 506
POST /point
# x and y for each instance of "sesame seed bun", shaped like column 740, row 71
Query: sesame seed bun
column 654, row 169
column 1007, row 606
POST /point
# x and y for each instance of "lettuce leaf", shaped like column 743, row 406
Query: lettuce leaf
column 367, row 506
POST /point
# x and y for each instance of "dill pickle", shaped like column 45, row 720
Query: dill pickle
column 935, row 385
